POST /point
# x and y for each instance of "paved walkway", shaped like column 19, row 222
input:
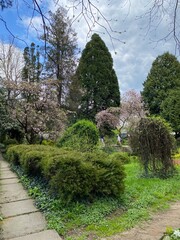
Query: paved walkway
column 21, row 219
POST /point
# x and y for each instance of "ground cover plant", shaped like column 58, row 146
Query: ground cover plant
column 105, row 216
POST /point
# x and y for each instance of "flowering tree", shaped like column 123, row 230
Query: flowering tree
column 31, row 104
column 131, row 110
column 126, row 116
column 39, row 115
column 107, row 120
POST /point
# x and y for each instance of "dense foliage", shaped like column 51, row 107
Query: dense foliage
column 163, row 77
column 170, row 108
column 71, row 175
column 82, row 135
column 97, row 78
column 154, row 143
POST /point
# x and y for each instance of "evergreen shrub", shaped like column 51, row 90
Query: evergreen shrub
column 123, row 157
column 71, row 175
column 83, row 136
column 110, row 176
column 74, row 179
column 31, row 161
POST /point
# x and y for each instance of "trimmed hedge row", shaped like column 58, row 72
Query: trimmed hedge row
column 71, row 175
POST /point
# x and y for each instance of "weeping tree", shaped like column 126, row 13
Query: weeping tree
column 154, row 143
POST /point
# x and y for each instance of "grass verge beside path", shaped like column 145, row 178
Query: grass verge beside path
column 105, row 216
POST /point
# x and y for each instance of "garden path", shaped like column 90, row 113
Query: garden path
column 155, row 227
column 21, row 219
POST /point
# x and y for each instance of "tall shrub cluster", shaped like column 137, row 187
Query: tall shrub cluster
column 83, row 136
column 71, row 175
column 153, row 142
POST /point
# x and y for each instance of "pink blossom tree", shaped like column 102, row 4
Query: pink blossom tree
column 125, row 116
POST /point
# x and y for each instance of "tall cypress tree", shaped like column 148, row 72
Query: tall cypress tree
column 97, row 79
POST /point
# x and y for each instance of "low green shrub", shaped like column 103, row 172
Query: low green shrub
column 52, row 162
column 123, row 157
column 14, row 153
column 71, row 175
column 31, row 161
column 110, row 177
column 74, row 179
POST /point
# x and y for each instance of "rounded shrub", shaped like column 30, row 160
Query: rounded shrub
column 110, row 174
column 74, row 179
column 83, row 135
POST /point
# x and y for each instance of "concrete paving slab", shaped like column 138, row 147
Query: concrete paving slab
column 18, row 208
column 23, row 225
column 9, row 181
column 7, row 174
column 45, row 235
column 13, row 192
column 3, row 164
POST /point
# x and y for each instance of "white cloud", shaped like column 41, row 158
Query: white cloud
column 133, row 59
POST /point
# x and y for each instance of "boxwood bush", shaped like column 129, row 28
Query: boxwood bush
column 71, row 175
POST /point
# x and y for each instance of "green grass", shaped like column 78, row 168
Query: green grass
column 106, row 216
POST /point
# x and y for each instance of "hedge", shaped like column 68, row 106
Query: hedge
column 71, row 175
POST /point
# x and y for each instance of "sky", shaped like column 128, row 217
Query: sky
column 133, row 50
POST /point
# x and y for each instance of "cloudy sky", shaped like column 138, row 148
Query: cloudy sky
column 133, row 50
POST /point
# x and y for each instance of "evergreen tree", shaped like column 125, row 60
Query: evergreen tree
column 31, row 72
column 163, row 77
column 97, row 78
column 61, row 48
column 171, row 110
column 32, row 68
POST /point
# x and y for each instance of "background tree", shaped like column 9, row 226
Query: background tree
column 98, row 79
column 163, row 77
column 9, row 127
column 61, row 49
column 32, row 66
column 170, row 109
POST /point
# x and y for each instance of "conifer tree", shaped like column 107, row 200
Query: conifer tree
column 61, row 49
column 97, row 78
column 163, row 77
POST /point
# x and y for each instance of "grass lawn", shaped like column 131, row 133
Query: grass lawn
column 106, row 216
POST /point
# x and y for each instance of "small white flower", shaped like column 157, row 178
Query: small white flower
column 176, row 233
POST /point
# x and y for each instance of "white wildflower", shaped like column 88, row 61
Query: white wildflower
column 176, row 233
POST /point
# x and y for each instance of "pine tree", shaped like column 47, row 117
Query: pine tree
column 97, row 78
